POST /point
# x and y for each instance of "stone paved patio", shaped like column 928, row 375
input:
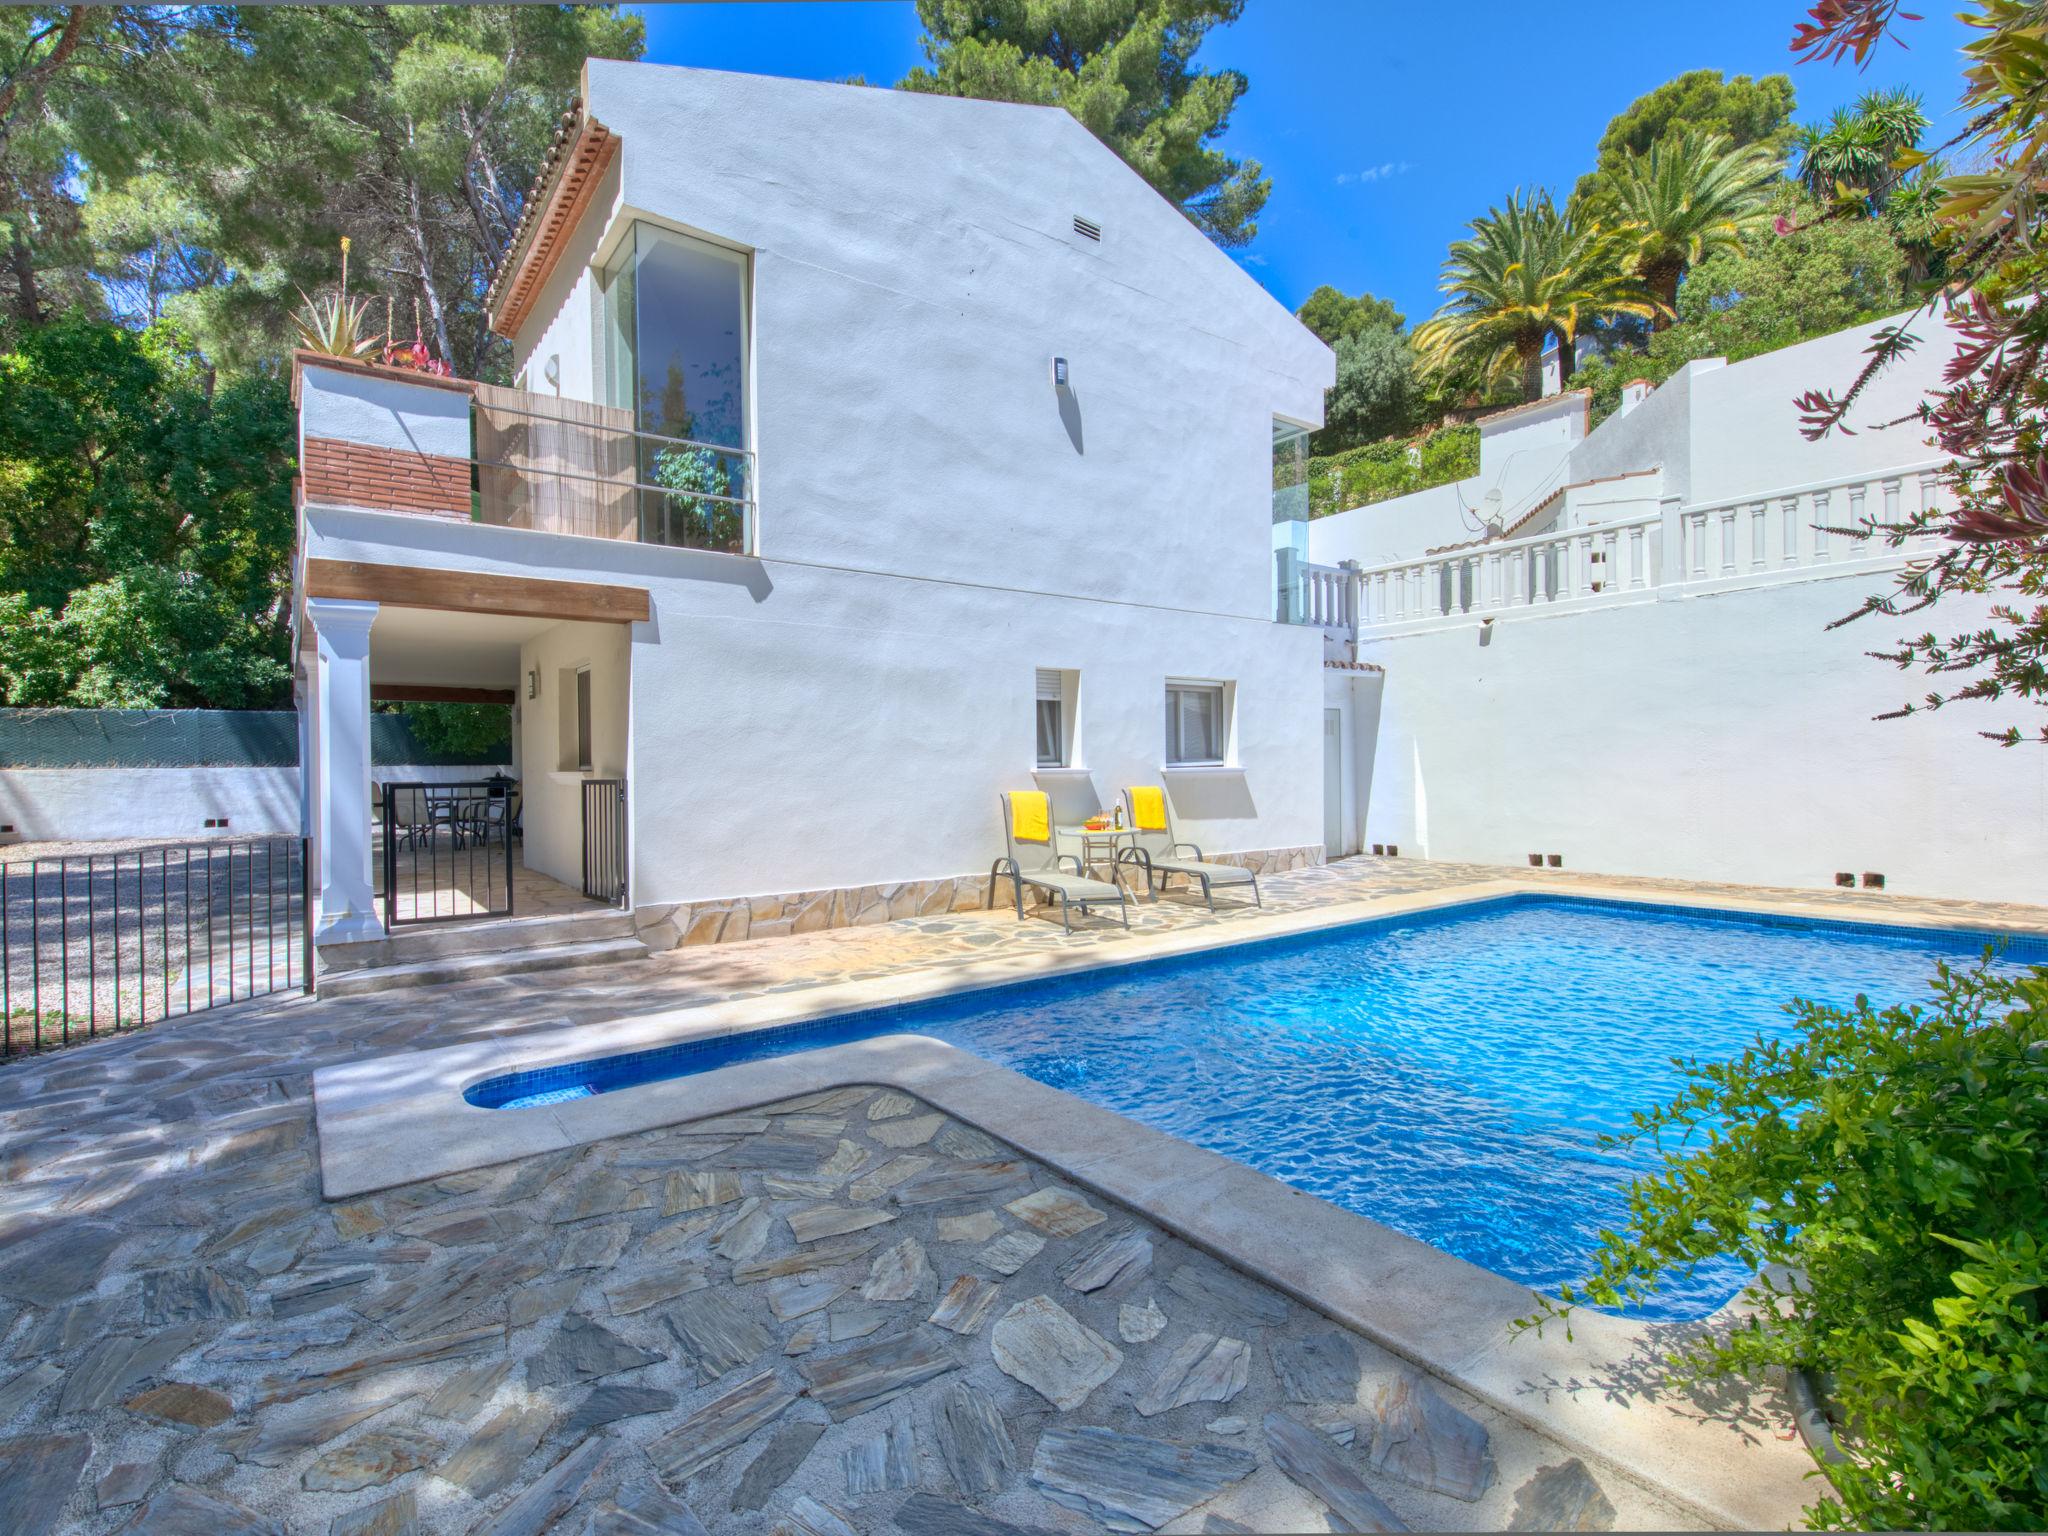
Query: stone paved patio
column 190, row 1339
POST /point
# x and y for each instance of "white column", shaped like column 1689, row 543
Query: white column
column 341, row 693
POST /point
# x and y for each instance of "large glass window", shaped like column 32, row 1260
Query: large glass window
column 1195, row 726
column 673, row 328
column 1290, row 517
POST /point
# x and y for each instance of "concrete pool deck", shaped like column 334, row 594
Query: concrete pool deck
column 161, row 1214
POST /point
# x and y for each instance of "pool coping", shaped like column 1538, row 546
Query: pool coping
column 400, row 1118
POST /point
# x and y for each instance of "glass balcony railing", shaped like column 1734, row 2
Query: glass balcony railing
column 565, row 466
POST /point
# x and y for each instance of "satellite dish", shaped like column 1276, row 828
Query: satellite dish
column 1490, row 512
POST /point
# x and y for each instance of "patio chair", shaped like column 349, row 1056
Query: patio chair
column 1033, row 860
column 1159, row 854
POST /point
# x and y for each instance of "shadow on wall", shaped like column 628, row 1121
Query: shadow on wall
column 1070, row 416
column 1211, row 796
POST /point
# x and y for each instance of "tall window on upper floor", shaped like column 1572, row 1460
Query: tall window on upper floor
column 673, row 338
column 1290, row 516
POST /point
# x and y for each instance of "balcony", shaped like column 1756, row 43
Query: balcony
column 387, row 440
column 562, row 466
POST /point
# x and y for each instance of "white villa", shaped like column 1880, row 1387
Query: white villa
column 884, row 452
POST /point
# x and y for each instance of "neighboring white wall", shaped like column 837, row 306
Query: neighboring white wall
column 551, row 790
column 1401, row 528
column 1712, row 738
column 382, row 413
column 1745, row 430
column 85, row 804
column 798, row 728
column 1522, row 454
column 562, row 324
column 1656, row 434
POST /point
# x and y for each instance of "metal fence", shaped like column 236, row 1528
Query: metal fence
column 448, row 851
column 604, row 840
column 92, row 944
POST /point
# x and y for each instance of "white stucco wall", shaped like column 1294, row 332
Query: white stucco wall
column 794, row 727
column 1715, row 738
column 383, row 413
column 550, row 787
column 915, row 272
column 44, row 804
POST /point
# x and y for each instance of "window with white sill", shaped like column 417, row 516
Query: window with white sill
column 1197, row 724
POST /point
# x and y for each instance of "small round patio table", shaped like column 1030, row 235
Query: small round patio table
column 1106, row 839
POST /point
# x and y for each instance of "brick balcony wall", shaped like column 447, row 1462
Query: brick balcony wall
column 385, row 479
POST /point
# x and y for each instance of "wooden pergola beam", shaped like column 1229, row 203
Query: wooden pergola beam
column 523, row 597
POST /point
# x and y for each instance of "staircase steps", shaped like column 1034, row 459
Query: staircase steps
column 428, row 956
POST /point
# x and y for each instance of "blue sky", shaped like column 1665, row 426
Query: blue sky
column 1385, row 126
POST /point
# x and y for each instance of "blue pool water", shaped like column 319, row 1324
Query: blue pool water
column 1449, row 1075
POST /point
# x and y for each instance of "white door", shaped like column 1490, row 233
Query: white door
column 1333, row 783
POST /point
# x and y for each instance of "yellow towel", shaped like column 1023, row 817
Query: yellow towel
column 1148, row 808
column 1031, row 815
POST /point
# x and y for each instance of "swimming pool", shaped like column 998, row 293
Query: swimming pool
column 1448, row 1074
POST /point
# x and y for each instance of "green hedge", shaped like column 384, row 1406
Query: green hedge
column 1381, row 471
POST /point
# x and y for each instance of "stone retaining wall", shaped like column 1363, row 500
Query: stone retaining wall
column 663, row 927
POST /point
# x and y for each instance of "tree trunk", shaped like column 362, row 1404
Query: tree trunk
column 1567, row 358
column 1529, row 352
column 28, row 297
column 1661, row 278
column 416, row 231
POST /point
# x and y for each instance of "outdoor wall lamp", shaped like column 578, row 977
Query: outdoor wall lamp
column 533, row 682
column 1059, row 373
column 552, row 371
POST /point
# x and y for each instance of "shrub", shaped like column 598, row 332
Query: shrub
column 1380, row 471
column 1882, row 1169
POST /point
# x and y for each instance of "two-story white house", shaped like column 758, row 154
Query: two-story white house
column 872, row 453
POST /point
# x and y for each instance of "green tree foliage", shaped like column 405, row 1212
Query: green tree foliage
column 1377, row 393
column 1691, row 195
column 1881, row 1170
column 415, row 130
column 1741, row 110
column 1125, row 69
column 1333, row 314
column 145, row 523
column 1392, row 467
column 1768, row 292
column 1525, row 276
column 461, row 729
column 1851, row 162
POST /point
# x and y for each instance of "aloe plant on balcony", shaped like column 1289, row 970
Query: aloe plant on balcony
column 335, row 326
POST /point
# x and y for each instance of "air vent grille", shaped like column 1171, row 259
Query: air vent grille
column 1087, row 229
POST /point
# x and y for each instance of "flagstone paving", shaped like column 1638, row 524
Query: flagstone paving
column 842, row 1314
column 699, row 1377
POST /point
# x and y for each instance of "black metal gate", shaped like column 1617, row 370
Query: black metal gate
column 92, row 944
column 604, row 840
column 448, row 851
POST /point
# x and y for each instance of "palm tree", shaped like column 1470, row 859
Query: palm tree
column 1693, row 194
column 1525, row 275
column 1852, row 159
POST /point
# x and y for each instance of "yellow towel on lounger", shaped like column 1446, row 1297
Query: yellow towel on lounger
column 1031, row 815
column 1148, row 808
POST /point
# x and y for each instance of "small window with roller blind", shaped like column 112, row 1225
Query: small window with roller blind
column 1050, row 709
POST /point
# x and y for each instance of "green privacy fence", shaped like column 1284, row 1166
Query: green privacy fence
column 200, row 738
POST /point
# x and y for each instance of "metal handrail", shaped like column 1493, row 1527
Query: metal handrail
column 617, row 485
column 570, row 421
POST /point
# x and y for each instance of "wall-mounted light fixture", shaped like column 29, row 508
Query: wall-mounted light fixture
column 551, row 370
column 1059, row 373
column 533, row 682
